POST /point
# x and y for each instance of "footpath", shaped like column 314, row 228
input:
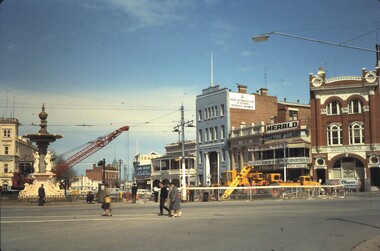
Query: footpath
column 372, row 244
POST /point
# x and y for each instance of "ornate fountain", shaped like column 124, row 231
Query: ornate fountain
column 43, row 162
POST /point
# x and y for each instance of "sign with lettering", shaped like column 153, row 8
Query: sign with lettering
column 142, row 171
column 280, row 127
column 282, row 136
column 353, row 184
column 242, row 101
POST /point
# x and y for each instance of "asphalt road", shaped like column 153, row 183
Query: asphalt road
column 309, row 224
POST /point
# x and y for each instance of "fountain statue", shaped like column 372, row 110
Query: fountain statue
column 43, row 162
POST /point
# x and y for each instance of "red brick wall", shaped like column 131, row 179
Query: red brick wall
column 266, row 107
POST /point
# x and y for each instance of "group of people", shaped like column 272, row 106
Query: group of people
column 170, row 200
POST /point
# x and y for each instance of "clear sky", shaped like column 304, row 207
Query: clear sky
column 111, row 63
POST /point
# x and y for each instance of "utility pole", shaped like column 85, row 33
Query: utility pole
column 181, row 129
column 184, row 195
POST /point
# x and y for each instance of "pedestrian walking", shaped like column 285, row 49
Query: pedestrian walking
column 41, row 195
column 163, row 197
column 106, row 205
column 134, row 192
column 175, row 201
column 168, row 202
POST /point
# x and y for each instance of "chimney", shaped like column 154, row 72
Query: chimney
column 264, row 91
column 242, row 88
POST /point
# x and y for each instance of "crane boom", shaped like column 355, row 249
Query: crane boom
column 93, row 147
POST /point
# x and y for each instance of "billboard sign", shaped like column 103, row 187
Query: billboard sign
column 242, row 101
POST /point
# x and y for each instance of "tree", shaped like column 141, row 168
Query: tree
column 63, row 171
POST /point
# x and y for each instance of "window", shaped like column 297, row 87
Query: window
column 200, row 136
column 6, row 168
column 334, row 135
column 200, row 157
column 356, row 133
column 333, row 108
column 6, row 150
column 223, row 155
column 211, row 133
column 222, row 132
column 199, row 115
column 207, row 135
column 221, row 110
column 206, row 115
column 213, row 112
column 355, row 106
column 293, row 115
column 216, row 133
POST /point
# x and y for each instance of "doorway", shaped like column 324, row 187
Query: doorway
column 321, row 175
column 375, row 176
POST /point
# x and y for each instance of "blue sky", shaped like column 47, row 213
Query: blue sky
column 111, row 63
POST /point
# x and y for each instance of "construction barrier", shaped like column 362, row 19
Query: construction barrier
column 269, row 192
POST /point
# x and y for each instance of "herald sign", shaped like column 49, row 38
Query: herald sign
column 281, row 127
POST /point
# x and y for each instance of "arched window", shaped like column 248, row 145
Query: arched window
column 355, row 106
column 334, row 134
column 333, row 108
column 348, row 168
column 356, row 133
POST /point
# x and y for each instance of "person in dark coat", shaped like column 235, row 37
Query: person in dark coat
column 90, row 198
column 134, row 192
column 163, row 198
column 41, row 195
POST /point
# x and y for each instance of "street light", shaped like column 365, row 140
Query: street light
column 102, row 163
column 264, row 37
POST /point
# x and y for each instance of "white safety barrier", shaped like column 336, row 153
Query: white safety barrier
column 267, row 192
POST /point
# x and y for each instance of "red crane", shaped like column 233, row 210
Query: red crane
column 91, row 148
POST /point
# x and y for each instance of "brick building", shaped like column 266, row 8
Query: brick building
column 345, row 128
column 281, row 150
column 111, row 174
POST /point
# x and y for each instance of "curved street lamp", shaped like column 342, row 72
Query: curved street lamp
column 264, row 37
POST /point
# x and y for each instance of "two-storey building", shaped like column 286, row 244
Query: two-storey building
column 345, row 128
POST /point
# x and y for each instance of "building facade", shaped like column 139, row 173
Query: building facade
column 345, row 128
column 111, row 174
column 16, row 155
column 219, row 110
column 142, row 166
column 281, row 147
column 168, row 168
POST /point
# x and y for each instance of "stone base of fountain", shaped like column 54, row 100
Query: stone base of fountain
column 51, row 189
